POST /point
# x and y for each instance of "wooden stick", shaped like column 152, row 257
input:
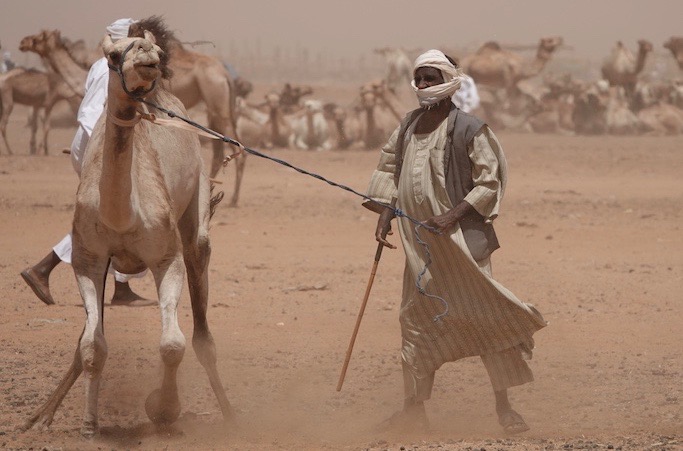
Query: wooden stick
column 378, row 254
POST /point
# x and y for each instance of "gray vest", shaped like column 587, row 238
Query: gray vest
column 480, row 237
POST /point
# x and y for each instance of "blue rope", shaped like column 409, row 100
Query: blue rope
column 428, row 261
column 397, row 211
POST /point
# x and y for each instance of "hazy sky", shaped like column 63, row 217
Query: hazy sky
column 350, row 27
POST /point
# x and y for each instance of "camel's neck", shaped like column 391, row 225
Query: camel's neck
column 73, row 74
column 275, row 124
column 640, row 61
column 371, row 124
column 343, row 139
column 310, row 133
column 116, row 188
column 537, row 65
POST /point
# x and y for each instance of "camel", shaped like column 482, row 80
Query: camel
column 310, row 131
column 493, row 67
column 378, row 114
column 198, row 78
column 662, row 119
column 37, row 90
column 49, row 45
column 252, row 124
column 280, row 124
column 621, row 68
column 675, row 44
column 589, row 109
column 557, row 107
column 620, row 119
column 290, row 97
column 344, row 125
column 399, row 67
column 143, row 201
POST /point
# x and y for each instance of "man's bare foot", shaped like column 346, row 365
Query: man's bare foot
column 412, row 419
column 39, row 283
column 124, row 296
column 512, row 422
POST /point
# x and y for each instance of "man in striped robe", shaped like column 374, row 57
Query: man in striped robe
column 447, row 169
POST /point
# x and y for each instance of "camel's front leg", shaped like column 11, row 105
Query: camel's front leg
column 240, row 162
column 162, row 405
column 91, row 276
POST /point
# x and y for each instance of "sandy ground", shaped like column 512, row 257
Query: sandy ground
column 590, row 233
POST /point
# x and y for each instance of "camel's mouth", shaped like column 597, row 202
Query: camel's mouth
column 148, row 71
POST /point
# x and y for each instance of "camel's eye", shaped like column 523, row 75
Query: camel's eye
column 115, row 58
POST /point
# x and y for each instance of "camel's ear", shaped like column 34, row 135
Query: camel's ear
column 150, row 37
column 107, row 45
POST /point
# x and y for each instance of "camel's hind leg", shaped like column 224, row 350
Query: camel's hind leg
column 195, row 233
column 91, row 353
column 162, row 405
column 43, row 416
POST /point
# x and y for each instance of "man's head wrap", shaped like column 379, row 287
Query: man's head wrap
column 119, row 29
column 451, row 76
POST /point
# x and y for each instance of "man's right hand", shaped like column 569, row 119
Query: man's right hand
column 384, row 227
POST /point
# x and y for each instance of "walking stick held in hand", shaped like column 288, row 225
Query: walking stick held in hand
column 378, row 255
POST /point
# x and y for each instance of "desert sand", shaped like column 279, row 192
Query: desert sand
column 590, row 233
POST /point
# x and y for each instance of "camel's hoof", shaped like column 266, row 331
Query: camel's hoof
column 160, row 410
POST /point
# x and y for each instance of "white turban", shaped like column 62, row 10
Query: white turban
column 119, row 29
column 451, row 76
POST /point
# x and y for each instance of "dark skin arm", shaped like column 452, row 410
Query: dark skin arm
column 443, row 223
column 384, row 227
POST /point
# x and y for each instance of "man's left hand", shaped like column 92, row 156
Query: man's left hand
column 443, row 223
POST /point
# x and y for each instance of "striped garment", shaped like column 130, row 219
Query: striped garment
column 484, row 318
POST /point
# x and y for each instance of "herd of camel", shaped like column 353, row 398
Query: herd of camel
column 620, row 103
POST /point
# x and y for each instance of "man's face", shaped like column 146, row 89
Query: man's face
column 427, row 76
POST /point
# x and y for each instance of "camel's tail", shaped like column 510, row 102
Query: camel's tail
column 214, row 200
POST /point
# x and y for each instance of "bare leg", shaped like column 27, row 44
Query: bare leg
column 512, row 422
column 37, row 277
column 124, row 295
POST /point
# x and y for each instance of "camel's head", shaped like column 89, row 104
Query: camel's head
column 645, row 46
column 550, row 44
column 313, row 106
column 370, row 93
column 272, row 101
column 674, row 44
column 334, row 112
column 136, row 59
column 41, row 43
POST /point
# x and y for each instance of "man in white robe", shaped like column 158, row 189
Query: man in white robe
column 89, row 111
column 463, row 311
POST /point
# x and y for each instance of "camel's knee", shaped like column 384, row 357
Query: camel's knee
column 172, row 349
column 93, row 348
